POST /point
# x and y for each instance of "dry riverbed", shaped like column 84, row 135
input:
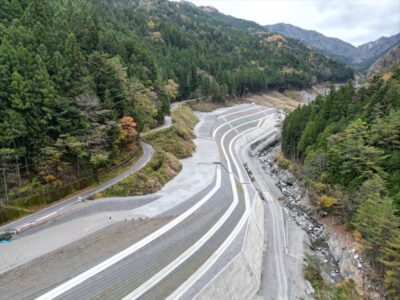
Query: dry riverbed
column 333, row 267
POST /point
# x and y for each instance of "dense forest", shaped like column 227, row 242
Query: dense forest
column 349, row 145
column 78, row 78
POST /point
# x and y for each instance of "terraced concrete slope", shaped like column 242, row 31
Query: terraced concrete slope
column 162, row 261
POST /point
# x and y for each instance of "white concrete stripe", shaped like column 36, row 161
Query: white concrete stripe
column 61, row 289
column 284, row 232
column 237, row 119
column 195, row 247
column 280, row 272
column 123, row 254
column 217, row 254
column 237, row 111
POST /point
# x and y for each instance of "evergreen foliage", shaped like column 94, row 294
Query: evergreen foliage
column 350, row 142
column 70, row 70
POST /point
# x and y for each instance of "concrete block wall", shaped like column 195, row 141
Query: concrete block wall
column 241, row 278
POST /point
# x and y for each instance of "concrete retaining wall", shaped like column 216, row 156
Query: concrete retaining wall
column 241, row 278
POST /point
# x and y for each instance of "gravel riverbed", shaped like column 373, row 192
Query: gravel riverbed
column 293, row 199
column 336, row 253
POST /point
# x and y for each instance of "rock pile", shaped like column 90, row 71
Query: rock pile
column 293, row 193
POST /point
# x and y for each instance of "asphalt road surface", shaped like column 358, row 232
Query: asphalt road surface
column 42, row 215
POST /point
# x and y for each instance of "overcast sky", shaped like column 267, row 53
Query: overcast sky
column 354, row 21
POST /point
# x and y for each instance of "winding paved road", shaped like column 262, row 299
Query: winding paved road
column 41, row 216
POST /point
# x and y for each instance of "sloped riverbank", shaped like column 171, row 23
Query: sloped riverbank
column 332, row 266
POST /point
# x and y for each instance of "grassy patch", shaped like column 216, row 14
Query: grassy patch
column 39, row 201
column 177, row 139
column 346, row 289
column 295, row 95
column 208, row 105
column 170, row 144
column 8, row 213
column 312, row 273
column 162, row 167
column 239, row 188
column 282, row 162
column 343, row 290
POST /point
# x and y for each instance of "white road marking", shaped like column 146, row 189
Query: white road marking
column 45, row 217
column 279, row 265
column 282, row 284
column 284, row 231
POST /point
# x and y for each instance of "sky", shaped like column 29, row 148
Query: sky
column 354, row 21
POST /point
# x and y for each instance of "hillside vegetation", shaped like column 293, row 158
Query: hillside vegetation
column 385, row 62
column 170, row 145
column 80, row 79
column 349, row 146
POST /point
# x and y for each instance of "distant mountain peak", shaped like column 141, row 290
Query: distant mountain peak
column 360, row 57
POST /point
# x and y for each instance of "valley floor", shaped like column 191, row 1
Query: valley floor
column 88, row 232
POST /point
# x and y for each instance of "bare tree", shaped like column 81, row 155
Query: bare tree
column 91, row 107
column 98, row 117
column 5, row 155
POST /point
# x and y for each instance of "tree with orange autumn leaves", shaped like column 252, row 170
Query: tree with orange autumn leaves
column 128, row 132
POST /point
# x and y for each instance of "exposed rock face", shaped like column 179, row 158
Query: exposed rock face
column 360, row 57
column 286, row 178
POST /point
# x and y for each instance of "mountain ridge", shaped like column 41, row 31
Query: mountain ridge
column 111, row 65
column 360, row 57
column 385, row 62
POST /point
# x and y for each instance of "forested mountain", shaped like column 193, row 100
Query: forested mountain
column 360, row 57
column 330, row 46
column 77, row 78
column 246, row 25
column 224, row 57
column 349, row 145
column 385, row 62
